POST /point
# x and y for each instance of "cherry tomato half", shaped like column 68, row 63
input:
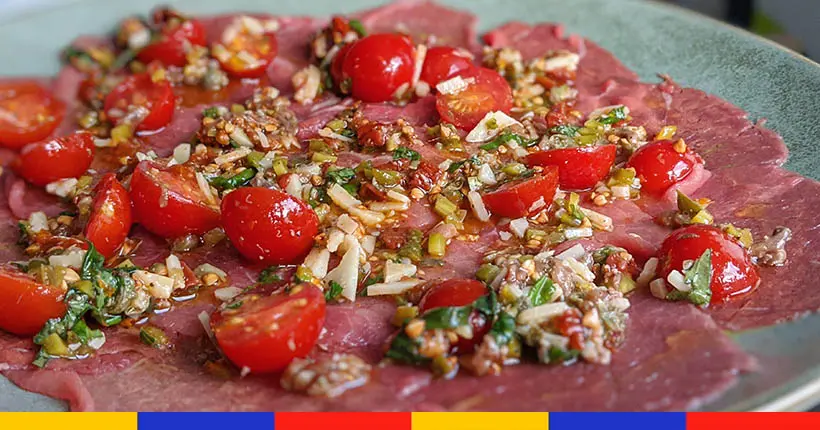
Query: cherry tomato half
column 269, row 225
column 25, row 304
column 444, row 62
column 459, row 292
column 659, row 165
column 245, row 53
column 488, row 93
column 733, row 273
column 28, row 113
column 578, row 168
column 168, row 201
column 66, row 157
column 265, row 333
column 110, row 219
column 377, row 66
column 173, row 42
column 521, row 197
column 140, row 101
column 336, row 72
column 561, row 114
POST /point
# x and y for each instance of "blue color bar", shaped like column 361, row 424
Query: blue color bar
column 205, row 420
column 617, row 420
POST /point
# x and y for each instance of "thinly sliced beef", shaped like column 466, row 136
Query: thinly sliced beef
column 596, row 66
column 761, row 199
column 422, row 19
column 23, row 198
column 687, row 352
column 183, row 126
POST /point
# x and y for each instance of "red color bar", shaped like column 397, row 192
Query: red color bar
column 752, row 420
column 343, row 420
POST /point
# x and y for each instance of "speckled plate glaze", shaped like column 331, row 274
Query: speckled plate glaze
column 759, row 76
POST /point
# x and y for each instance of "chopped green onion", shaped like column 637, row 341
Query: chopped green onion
column 487, row 272
column 280, row 166
column 444, row 207
column 321, row 157
column 386, row 177
column 437, row 245
column 153, row 337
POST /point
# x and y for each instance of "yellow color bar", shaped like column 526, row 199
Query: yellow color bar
column 480, row 420
column 68, row 421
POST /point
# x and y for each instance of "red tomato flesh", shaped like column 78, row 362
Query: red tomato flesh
column 377, row 66
column 578, row 168
column 733, row 274
column 25, row 304
column 171, row 46
column 67, row 157
column 659, row 166
column 168, row 201
column 269, row 225
column 261, row 49
column 442, row 63
column 521, row 197
column 28, row 113
column 490, row 92
column 265, row 333
column 110, row 219
column 142, row 102
column 459, row 292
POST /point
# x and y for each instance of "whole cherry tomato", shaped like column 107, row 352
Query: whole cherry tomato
column 265, row 333
column 488, row 92
column 578, row 168
column 142, row 102
column 521, row 197
column 662, row 164
column 377, row 66
column 25, row 304
column 169, row 202
column 444, row 62
column 269, row 225
column 28, row 113
column 459, row 292
column 110, row 219
column 66, row 157
column 733, row 273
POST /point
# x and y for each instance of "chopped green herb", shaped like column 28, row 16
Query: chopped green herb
column 333, row 291
column 211, row 112
column 503, row 329
column 403, row 152
column 269, row 275
column 699, row 277
column 153, row 337
column 412, row 248
column 613, row 116
column 358, row 27
column 561, row 355
column 541, row 292
column 340, row 176
column 447, row 317
column 238, row 180
column 565, row 129
column 502, row 139
column 235, row 305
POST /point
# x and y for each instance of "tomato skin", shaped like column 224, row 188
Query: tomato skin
column 168, row 202
column 110, row 219
column 578, row 168
column 28, row 113
column 157, row 97
column 733, row 274
column 66, row 157
column 336, row 72
column 267, row 332
column 490, row 92
column 269, row 225
column 442, row 63
column 25, row 304
column 377, row 65
column 515, row 199
column 561, row 114
column 459, row 292
column 170, row 49
column 659, row 166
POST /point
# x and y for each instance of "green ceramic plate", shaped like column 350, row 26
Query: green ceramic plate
column 766, row 80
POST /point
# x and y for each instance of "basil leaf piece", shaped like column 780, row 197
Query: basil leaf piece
column 403, row 152
column 502, row 139
column 699, row 277
column 541, row 292
column 613, row 116
column 269, row 275
column 340, row 176
column 333, row 292
column 449, row 317
column 503, row 328
column 565, row 129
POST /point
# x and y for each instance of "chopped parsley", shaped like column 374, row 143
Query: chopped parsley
column 340, row 176
column 565, row 129
column 613, row 116
column 334, row 290
column 502, row 139
column 358, row 27
column 403, row 152
column 238, row 180
column 211, row 112
column 269, row 275
column 699, row 278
